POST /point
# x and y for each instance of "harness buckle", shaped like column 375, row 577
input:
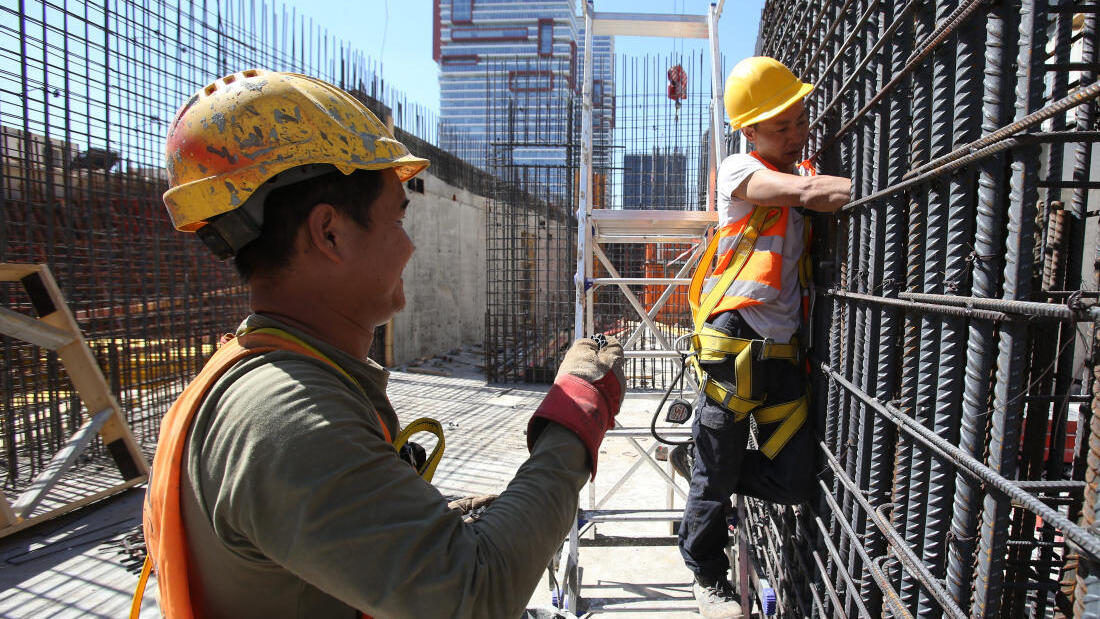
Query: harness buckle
column 761, row 349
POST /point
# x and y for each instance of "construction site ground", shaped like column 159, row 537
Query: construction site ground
column 85, row 564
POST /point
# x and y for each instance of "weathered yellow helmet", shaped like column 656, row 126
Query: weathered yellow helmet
column 759, row 88
column 245, row 129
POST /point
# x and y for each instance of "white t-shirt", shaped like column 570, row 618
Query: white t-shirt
column 778, row 317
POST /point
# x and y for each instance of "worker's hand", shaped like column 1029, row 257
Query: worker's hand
column 586, row 396
column 827, row 193
column 471, row 506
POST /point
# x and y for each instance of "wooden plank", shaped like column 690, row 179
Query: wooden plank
column 27, row 329
column 10, row 272
column 91, row 385
column 60, row 464
column 75, row 505
column 7, row 514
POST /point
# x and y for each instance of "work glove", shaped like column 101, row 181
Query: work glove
column 471, row 507
column 587, row 393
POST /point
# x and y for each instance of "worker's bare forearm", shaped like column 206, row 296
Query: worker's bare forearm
column 820, row 193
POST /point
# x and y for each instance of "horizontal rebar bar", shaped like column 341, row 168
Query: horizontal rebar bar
column 1073, row 99
column 1031, row 309
column 890, row 594
column 894, row 539
column 960, row 312
column 955, row 164
column 1085, row 540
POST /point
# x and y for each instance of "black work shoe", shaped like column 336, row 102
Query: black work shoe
column 717, row 600
column 682, row 458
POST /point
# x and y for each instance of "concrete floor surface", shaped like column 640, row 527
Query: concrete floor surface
column 80, row 566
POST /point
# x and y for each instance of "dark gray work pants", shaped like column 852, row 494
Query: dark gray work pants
column 724, row 465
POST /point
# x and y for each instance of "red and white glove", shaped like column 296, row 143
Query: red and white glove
column 587, row 393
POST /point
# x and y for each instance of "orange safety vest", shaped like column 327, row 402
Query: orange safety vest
column 165, row 539
column 764, row 267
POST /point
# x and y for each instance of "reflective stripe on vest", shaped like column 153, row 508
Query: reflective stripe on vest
column 165, row 539
column 761, row 275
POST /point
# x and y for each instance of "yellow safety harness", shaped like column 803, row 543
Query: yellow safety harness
column 712, row 346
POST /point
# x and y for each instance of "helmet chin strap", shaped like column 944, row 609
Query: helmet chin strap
column 228, row 233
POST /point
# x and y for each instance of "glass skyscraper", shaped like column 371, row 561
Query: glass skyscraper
column 510, row 81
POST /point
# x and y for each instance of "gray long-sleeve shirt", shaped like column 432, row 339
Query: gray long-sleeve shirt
column 295, row 505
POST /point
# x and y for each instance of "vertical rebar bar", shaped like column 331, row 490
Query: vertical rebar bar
column 985, row 277
column 1011, row 362
column 1084, row 117
column 920, row 342
column 893, row 138
column 1086, row 599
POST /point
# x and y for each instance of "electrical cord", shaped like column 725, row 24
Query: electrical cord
column 679, row 380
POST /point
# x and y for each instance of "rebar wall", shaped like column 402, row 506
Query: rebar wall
column 955, row 315
column 86, row 94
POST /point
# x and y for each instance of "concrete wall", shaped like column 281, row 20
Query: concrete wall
column 445, row 279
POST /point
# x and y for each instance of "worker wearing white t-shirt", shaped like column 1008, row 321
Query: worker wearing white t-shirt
column 761, row 303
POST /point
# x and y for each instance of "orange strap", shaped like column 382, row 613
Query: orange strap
column 165, row 541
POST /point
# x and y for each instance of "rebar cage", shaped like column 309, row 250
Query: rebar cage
column 954, row 317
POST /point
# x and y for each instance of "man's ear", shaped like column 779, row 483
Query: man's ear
column 750, row 133
column 323, row 231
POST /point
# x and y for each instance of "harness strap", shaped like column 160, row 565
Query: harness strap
column 790, row 416
column 761, row 218
column 713, row 346
column 735, row 398
column 424, row 424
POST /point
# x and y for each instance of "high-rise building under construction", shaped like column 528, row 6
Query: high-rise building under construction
column 506, row 69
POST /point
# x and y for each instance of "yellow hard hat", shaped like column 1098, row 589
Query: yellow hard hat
column 242, row 130
column 759, row 88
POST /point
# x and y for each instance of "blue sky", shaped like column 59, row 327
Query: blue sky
column 399, row 34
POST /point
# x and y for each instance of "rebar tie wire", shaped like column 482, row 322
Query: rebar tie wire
column 1083, row 539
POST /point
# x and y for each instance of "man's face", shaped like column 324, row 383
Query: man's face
column 379, row 255
column 780, row 139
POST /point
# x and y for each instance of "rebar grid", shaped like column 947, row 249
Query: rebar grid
column 87, row 93
column 952, row 355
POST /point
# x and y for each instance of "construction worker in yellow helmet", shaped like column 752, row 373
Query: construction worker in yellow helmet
column 278, row 489
column 746, row 317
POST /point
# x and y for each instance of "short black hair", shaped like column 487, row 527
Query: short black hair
column 287, row 208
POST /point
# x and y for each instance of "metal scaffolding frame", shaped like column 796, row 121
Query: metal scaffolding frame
column 674, row 224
